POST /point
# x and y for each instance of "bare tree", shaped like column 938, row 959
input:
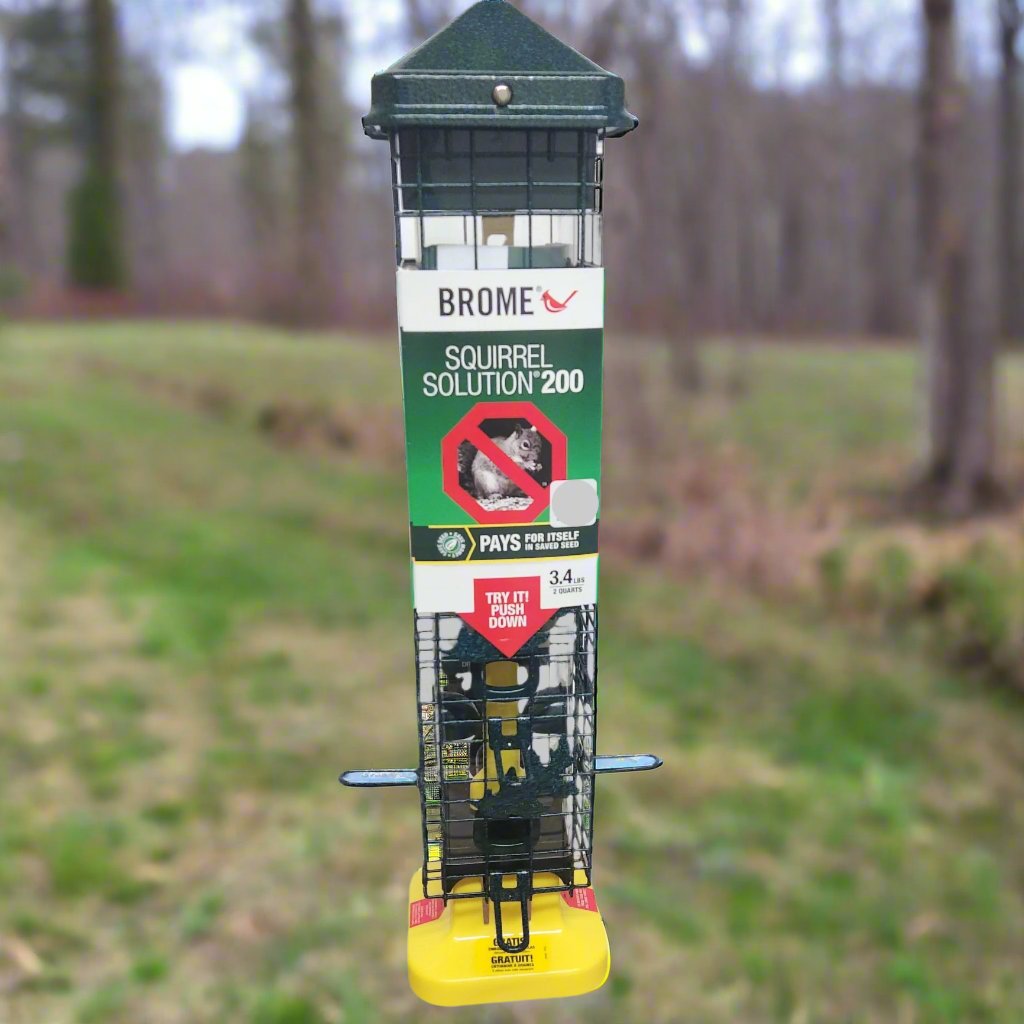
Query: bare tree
column 755, row 201
column 659, row 60
column 96, row 257
column 18, row 229
column 1011, row 269
column 312, row 243
column 144, row 153
column 734, row 267
column 841, row 172
column 604, row 32
column 959, row 475
column 835, row 42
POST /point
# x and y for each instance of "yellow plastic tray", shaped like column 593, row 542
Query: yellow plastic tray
column 454, row 961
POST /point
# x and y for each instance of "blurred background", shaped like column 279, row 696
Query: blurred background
column 814, row 546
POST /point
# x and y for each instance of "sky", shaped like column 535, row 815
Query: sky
column 208, row 88
column 207, row 91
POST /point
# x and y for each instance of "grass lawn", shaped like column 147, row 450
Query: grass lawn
column 204, row 616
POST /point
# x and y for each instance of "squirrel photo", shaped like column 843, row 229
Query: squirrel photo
column 481, row 478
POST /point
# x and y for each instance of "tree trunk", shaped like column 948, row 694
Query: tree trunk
column 1010, row 267
column 96, row 255
column 847, row 269
column 104, row 84
column 603, row 35
column 959, row 474
column 18, row 227
column 835, row 44
column 312, row 234
column 738, row 215
column 664, row 256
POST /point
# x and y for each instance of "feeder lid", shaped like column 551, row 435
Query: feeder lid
column 495, row 68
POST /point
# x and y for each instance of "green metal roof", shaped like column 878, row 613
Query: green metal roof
column 449, row 81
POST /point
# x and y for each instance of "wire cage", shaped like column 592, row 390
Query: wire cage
column 497, row 198
column 507, row 760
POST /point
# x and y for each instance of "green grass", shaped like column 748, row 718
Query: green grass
column 199, row 626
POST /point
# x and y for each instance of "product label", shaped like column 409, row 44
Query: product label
column 455, row 760
column 503, row 379
column 424, row 911
column 502, row 301
column 535, row 959
column 581, row 899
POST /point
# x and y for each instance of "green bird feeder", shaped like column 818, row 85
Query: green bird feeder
column 497, row 133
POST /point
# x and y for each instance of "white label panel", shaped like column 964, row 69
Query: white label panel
column 433, row 301
column 452, row 588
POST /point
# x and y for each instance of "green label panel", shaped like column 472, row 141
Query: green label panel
column 502, row 543
column 492, row 421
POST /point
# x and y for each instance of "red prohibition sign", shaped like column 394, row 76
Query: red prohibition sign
column 469, row 429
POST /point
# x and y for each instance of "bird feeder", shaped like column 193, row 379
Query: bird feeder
column 497, row 133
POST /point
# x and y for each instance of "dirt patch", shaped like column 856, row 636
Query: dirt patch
column 209, row 398
column 287, row 423
column 701, row 509
column 300, row 426
column 703, row 514
column 291, row 424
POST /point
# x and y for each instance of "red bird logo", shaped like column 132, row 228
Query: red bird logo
column 552, row 305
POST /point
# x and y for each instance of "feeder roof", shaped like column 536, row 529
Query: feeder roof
column 449, row 81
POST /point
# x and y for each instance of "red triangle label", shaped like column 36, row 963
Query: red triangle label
column 507, row 612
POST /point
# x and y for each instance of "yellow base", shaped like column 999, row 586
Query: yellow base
column 454, row 961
